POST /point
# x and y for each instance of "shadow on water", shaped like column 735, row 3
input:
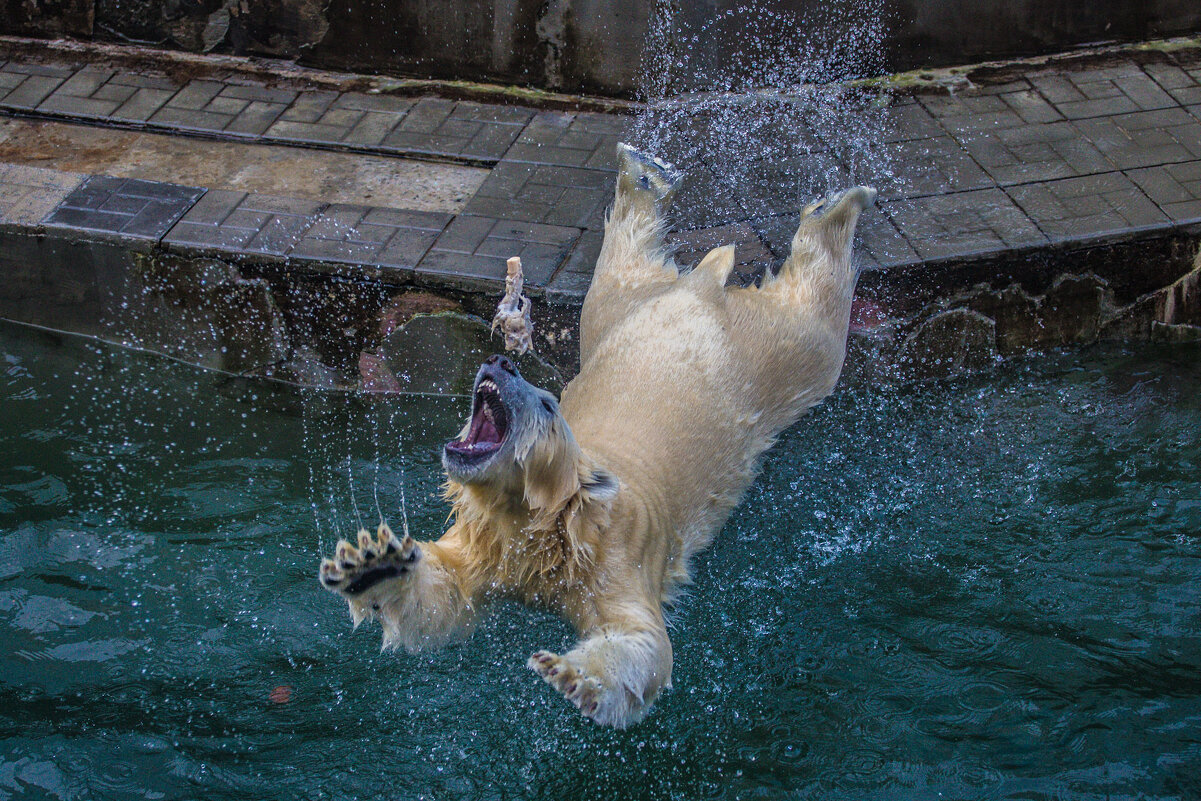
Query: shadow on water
column 983, row 588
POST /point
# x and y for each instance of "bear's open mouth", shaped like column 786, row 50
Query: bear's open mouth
column 489, row 424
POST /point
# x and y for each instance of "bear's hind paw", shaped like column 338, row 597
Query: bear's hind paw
column 580, row 689
column 353, row 570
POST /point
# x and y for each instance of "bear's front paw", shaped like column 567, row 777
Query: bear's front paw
column 576, row 686
column 353, row 570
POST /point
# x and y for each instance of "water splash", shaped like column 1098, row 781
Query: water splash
column 752, row 103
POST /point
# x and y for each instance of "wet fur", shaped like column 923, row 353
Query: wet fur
column 601, row 505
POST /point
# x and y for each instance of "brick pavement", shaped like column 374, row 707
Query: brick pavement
column 1053, row 155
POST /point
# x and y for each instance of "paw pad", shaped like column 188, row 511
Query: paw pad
column 353, row 570
column 577, row 687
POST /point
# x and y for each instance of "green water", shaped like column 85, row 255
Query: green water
column 988, row 588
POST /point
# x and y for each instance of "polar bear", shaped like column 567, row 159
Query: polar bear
column 594, row 506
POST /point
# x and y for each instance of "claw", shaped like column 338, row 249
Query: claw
column 346, row 552
column 386, row 539
column 330, row 572
column 366, row 544
column 408, row 549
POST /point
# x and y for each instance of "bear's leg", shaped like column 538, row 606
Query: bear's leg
column 633, row 245
column 818, row 271
column 416, row 591
column 633, row 255
column 613, row 676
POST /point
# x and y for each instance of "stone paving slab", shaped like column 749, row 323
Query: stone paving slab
column 1174, row 188
column 1054, row 155
column 365, row 235
column 1092, row 205
column 544, row 193
column 570, row 140
column 125, row 206
column 475, row 249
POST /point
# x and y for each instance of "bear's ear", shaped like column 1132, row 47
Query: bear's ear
column 599, row 485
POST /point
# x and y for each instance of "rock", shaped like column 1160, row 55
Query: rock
column 1178, row 304
column 440, row 354
column 1164, row 332
column 948, row 343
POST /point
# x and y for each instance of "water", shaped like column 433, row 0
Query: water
column 985, row 588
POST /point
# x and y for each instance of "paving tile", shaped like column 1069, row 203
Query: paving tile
column 933, row 167
column 214, row 207
column 1075, row 208
column 237, row 221
column 351, row 234
column 785, row 185
column 31, row 92
column 544, row 193
column 145, row 81
column 77, row 106
column 372, row 128
column 963, row 115
column 259, row 93
column 196, row 94
column 1103, row 92
column 474, row 249
column 256, row 118
column 1145, row 138
column 227, row 105
column 387, row 104
column 127, row 206
column 434, row 126
column 310, row 106
column 570, row 140
column 582, row 259
column 703, row 200
column 114, row 91
column 143, row 104
column 45, row 70
column 78, row 95
column 962, row 224
column 195, row 119
column 29, row 194
column 751, row 256
column 908, row 119
column 1032, row 107
column 305, row 132
column 1182, row 86
column 1037, row 153
column 1175, row 188
column 84, row 82
column 879, row 243
column 9, row 81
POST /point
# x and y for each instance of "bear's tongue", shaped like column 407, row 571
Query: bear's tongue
column 483, row 429
column 483, row 434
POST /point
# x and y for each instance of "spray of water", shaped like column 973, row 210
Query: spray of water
column 755, row 106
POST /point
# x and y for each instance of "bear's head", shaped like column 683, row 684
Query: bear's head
column 517, row 454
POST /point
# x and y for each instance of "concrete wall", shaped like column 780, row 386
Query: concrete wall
column 596, row 45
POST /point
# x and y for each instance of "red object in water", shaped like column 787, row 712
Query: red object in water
column 867, row 316
column 281, row 694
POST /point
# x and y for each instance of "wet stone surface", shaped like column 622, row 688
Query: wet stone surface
column 1035, row 173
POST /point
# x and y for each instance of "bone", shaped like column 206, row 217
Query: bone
column 513, row 311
